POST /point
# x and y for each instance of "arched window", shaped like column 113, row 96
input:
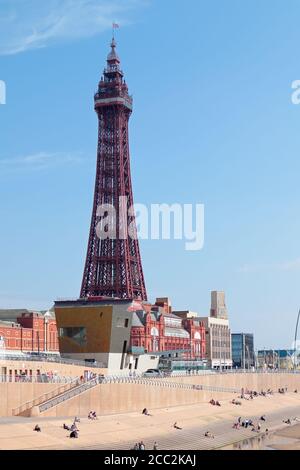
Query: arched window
column 154, row 331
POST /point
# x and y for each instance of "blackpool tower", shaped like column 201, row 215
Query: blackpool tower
column 113, row 265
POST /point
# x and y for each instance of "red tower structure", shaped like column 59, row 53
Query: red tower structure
column 113, row 265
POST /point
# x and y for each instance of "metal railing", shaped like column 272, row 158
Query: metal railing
column 186, row 373
column 57, row 360
column 67, row 395
column 162, row 382
column 260, row 371
column 43, row 378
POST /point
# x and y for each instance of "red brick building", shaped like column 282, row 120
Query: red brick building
column 156, row 329
column 28, row 332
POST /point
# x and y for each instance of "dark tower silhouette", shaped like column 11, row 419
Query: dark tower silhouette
column 113, row 264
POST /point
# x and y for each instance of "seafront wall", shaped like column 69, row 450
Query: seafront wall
column 122, row 397
column 13, row 395
column 116, row 398
column 113, row 398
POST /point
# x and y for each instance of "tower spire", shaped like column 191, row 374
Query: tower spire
column 113, row 57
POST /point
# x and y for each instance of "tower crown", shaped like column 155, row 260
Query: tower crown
column 112, row 88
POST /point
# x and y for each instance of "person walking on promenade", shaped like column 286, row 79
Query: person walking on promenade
column 155, row 446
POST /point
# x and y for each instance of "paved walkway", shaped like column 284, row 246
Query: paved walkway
column 112, row 432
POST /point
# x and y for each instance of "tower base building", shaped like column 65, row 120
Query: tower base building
column 98, row 331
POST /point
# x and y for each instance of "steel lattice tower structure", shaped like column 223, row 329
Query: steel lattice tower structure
column 113, row 267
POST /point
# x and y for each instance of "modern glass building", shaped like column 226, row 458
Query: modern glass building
column 242, row 350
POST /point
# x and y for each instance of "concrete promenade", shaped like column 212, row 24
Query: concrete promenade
column 122, row 431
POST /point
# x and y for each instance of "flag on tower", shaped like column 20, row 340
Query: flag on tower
column 135, row 306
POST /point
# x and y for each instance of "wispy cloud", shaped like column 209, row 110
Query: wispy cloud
column 15, row 301
column 40, row 160
column 34, row 24
column 292, row 265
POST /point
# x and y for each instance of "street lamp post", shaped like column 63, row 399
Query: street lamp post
column 244, row 352
column 46, row 321
column 248, row 361
column 295, row 344
column 38, row 341
column 220, row 347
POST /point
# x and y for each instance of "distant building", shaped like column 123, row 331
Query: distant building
column 243, row 356
column 218, row 306
column 218, row 343
column 217, row 332
column 22, row 331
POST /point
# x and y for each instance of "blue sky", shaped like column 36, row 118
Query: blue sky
column 213, row 123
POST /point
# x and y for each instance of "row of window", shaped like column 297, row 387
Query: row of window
column 221, row 355
column 221, row 343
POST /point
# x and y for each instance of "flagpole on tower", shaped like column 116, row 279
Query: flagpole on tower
column 114, row 27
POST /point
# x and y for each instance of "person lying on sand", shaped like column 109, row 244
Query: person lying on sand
column 176, row 426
